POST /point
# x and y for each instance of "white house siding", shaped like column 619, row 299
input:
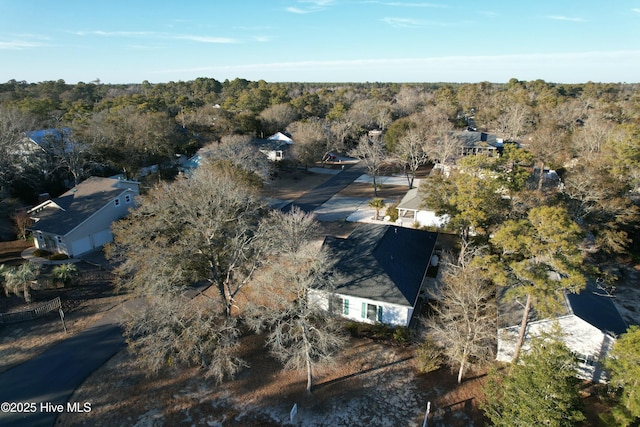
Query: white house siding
column 97, row 228
column 50, row 242
column 80, row 246
column 101, row 238
column 586, row 341
column 392, row 314
column 430, row 219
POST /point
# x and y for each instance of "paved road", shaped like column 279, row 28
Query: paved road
column 52, row 376
column 313, row 199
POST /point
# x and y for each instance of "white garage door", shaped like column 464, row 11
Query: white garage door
column 101, row 238
column 80, row 246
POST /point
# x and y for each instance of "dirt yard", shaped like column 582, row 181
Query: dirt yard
column 83, row 303
column 371, row 384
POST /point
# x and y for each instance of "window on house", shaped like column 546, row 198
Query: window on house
column 345, row 307
column 127, row 198
column 40, row 236
column 58, row 239
column 372, row 312
column 116, row 202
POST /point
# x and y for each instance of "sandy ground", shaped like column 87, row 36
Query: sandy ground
column 371, row 384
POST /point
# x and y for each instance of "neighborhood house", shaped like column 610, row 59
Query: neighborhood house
column 380, row 272
column 274, row 147
column 411, row 211
column 590, row 325
column 79, row 221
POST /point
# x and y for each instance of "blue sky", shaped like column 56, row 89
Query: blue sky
column 563, row 41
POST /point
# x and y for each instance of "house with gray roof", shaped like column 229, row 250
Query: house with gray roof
column 474, row 143
column 590, row 324
column 79, row 221
column 411, row 211
column 380, row 271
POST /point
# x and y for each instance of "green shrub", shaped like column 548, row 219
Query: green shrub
column 58, row 257
column 401, row 334
column 392, row 212
column 377, row 331
column 428, row 356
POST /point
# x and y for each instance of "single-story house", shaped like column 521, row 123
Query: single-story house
column 474, row 143
column 79, row 221
column 410, row 210
column 380, row 271
column 590, row 323
column 274, row 147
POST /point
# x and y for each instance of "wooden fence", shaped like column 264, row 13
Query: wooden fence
column 21, row 316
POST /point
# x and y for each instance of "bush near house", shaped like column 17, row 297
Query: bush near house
column 379, row 331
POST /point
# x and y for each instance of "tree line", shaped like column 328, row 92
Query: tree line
column 125, row 128
column 517, row 224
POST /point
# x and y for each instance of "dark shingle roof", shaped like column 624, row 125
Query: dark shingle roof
column 381, row 262
column 592, row 306
column 76, row 205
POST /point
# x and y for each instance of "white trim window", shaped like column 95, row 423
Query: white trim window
column 116, row 202
column 372, row 312
column 127, row 198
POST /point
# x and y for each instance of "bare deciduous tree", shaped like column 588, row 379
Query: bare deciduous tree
column 13, row 157
column 197, row 229
column 440, row 144
column 173, row 330
column 411, row 154
column 22, row 222
column 310, row 141
column 464, row 319
column 238, row 150
column 277, row 117
column 371, row 151
column 201, row 228
column 300, row 333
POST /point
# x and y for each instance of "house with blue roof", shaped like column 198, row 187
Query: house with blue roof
column 590, row 324
column 380, row 271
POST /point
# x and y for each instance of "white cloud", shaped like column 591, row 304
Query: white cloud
column 406, row 4
column 403, row 22
column 204, row 39
column 585, row 66
column 18, row 45
column 23, row 41
column 314, row 6
column 636, row 10
column 565, row 18
column 156, row 35
column 298, row 11
column 114, row 33
column 318, row 3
